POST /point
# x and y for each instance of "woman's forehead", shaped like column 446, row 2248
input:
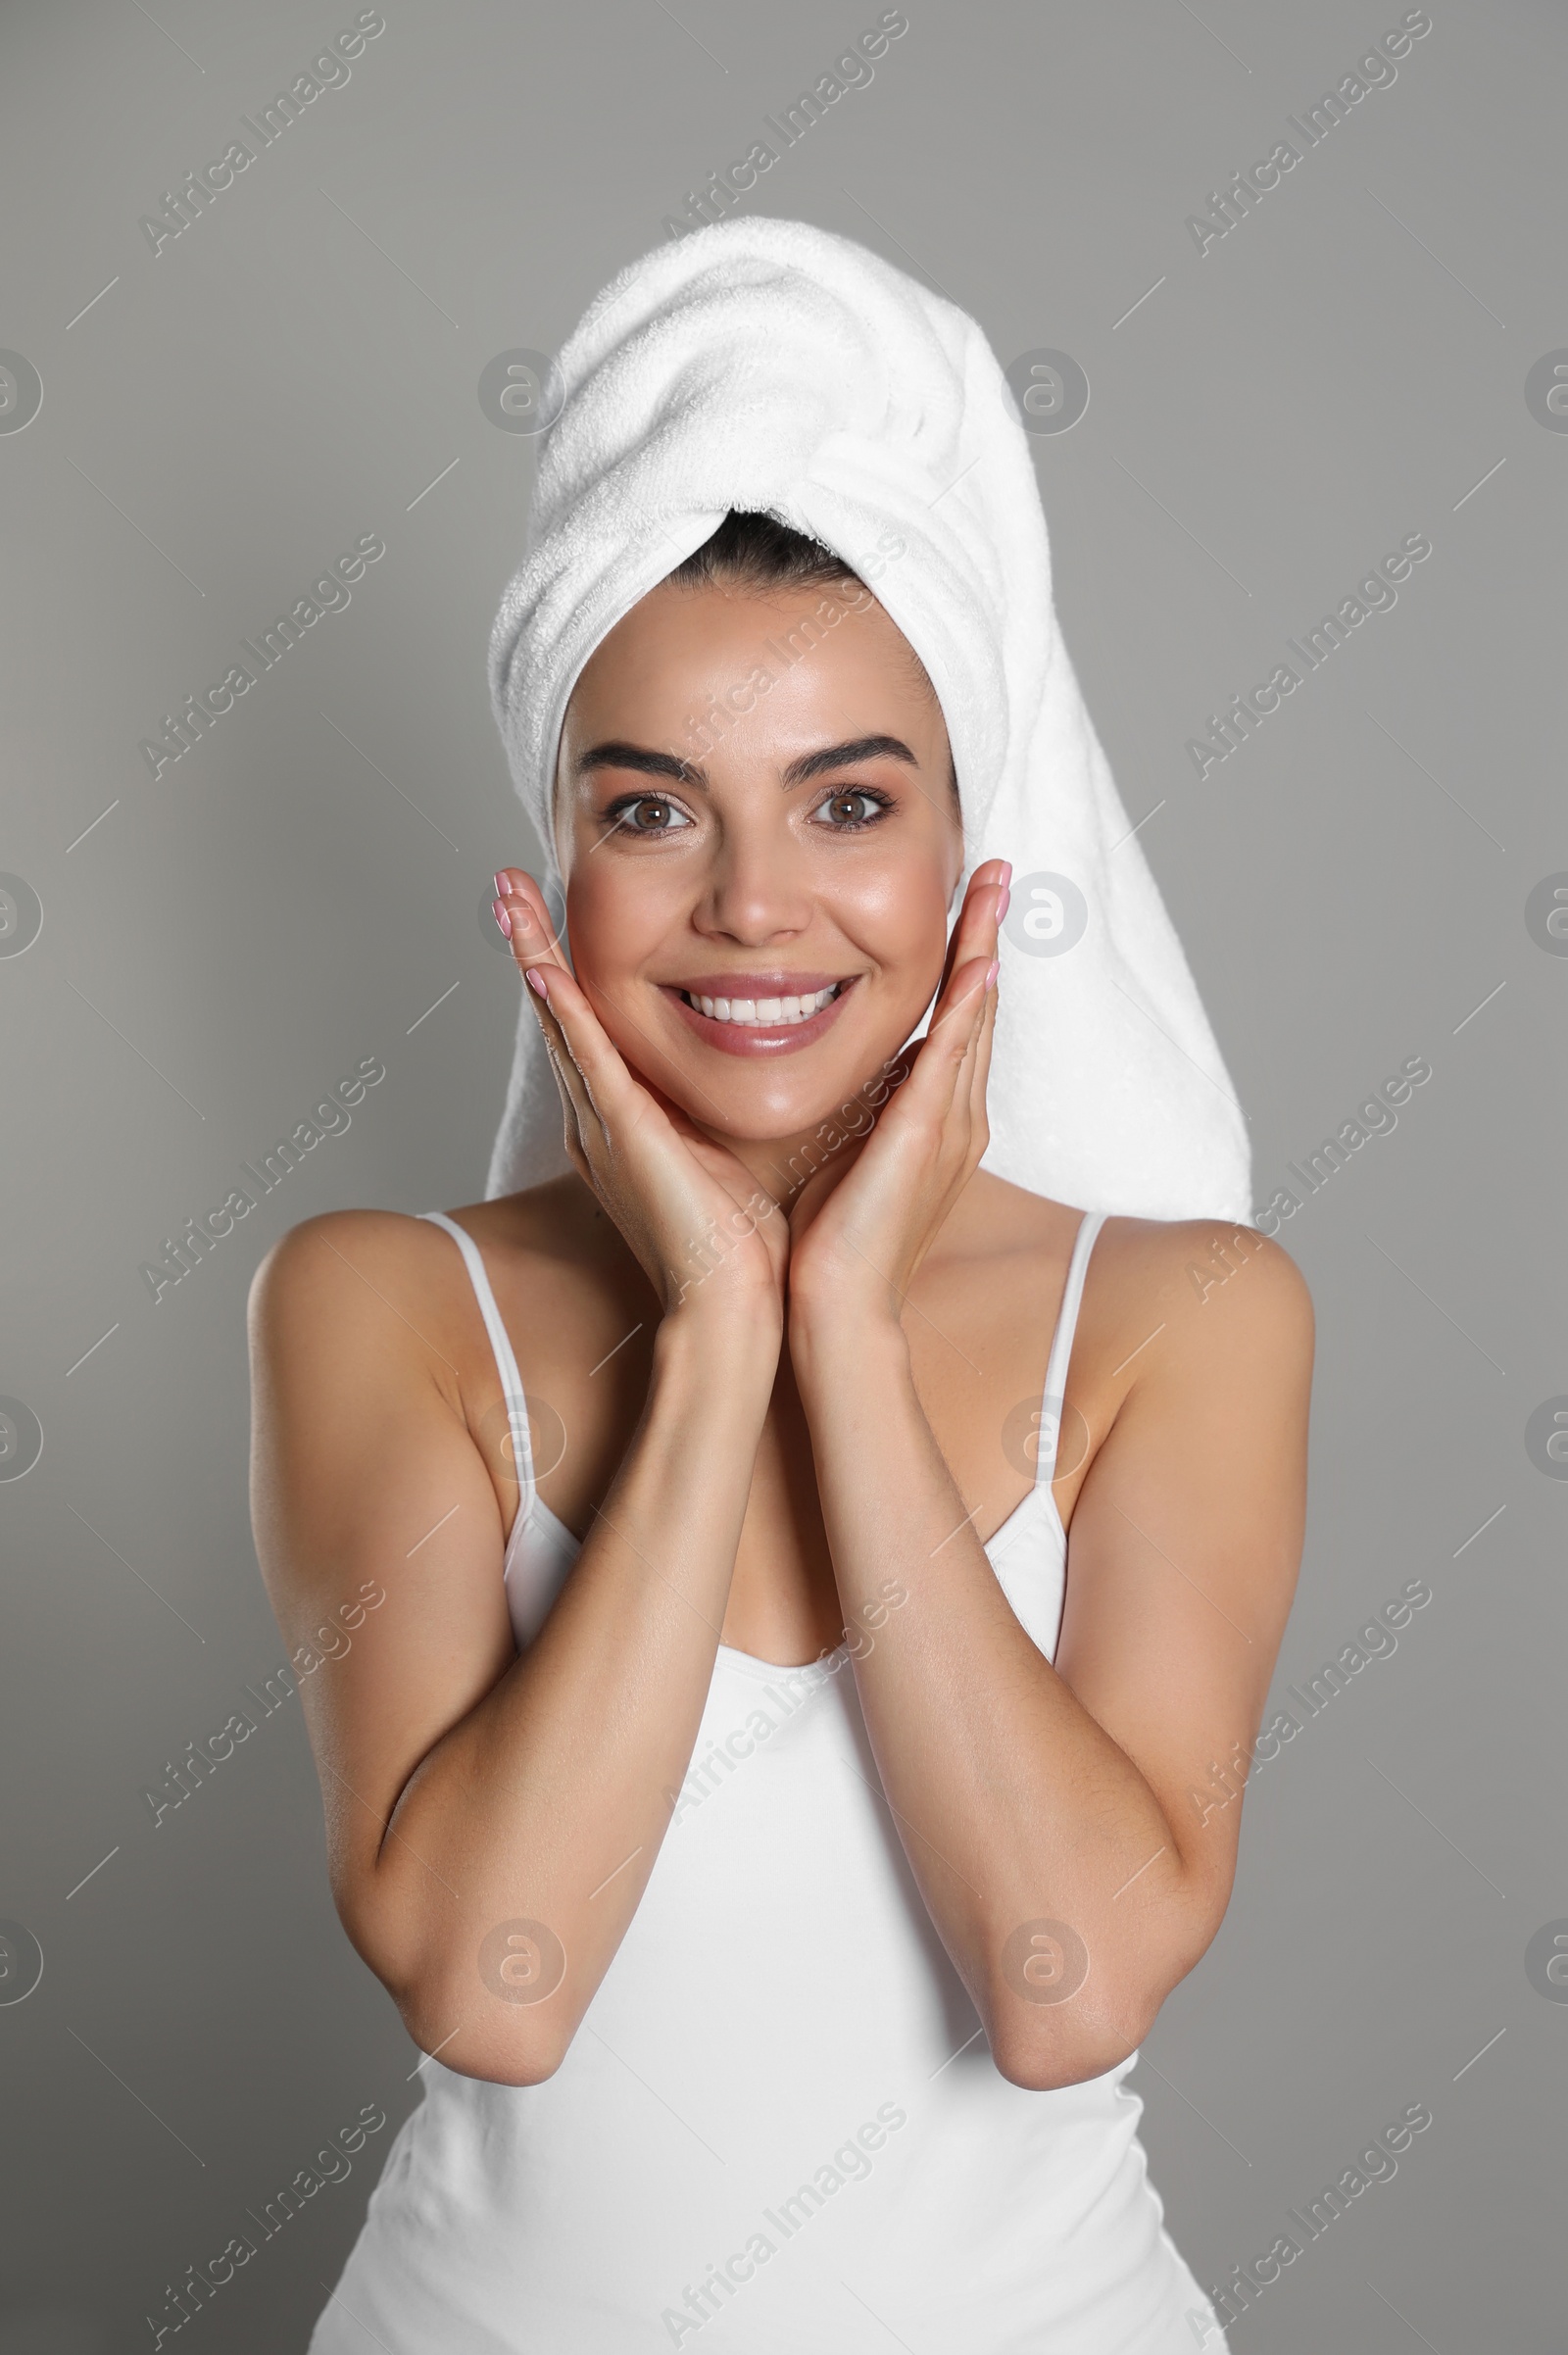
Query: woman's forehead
column 785, row 658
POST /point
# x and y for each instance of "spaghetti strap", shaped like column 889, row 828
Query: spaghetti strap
column 1050, row 1406
column 502, row 1349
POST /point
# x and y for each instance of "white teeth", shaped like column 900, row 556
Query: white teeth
column 770, row 1012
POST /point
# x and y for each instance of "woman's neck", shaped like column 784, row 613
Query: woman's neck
column 789, row 1169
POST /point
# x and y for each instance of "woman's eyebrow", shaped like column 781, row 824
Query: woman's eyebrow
column 647, row 762
column 616, row 755
column 845, row 755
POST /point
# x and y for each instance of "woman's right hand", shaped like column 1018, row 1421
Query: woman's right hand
column 708, row 1237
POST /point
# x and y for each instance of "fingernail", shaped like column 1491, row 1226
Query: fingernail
column 1007, row 870
column 502, row 885
column 536, row 981
column 502, row 917
column 1003, row 904
column 992, row 971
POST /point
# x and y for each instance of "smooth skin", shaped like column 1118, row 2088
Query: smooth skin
column 766, row 1375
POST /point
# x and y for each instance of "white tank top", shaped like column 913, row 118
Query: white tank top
column 779, row 2130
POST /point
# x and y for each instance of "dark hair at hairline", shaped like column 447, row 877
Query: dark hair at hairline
column 751, row 550
column 758, row 552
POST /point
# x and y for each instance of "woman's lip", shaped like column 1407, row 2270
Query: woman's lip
column 758, row 1038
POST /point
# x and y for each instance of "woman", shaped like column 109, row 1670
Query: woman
column 778, row 1854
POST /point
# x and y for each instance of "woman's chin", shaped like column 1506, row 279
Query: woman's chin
column 773, row 1122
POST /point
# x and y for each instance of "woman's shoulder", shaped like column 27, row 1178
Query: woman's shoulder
column 340, row 1263
column 1178, row 1260
column 1195, row 1307
column 1145, row 1271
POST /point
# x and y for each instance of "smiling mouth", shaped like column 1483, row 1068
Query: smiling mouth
column 763, row 1013
column 770, row 1020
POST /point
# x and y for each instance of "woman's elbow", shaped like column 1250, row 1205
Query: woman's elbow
column 454, row 2017
column 1050, row 2064
column 1069, row 2032
column 494, row 2065
column 1044, row 2049
column 516, row 2051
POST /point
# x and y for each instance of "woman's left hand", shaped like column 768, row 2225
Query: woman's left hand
column 857, row 1238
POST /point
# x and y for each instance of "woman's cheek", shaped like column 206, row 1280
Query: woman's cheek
column 620, row 911
column 901, row 921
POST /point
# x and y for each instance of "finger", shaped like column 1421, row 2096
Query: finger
column 655, row 1057
column 999, row 907
column 976, row 1048
column 980, row 1066
column 973, row 935
column 984, row 879
column 983, row 906
column 975, row 932
column 570, row 1028
column 950, row 1040
column 522, row 915
column 590, row 1063
column 717, row 1159
column 581, row 1118
column 958, row 1008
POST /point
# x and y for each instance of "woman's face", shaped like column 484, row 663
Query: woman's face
column 764, row 845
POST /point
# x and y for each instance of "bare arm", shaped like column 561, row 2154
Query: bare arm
column 466, row 1789
column 1029, row 1794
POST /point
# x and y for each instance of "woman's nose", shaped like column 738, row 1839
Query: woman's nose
column 755, row 891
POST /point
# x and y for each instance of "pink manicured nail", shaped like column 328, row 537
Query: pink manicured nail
column 992, row 971
column 1007, row 870
column 502, row 886
column 536, row 981
column 502, row 917
column 1003, row 904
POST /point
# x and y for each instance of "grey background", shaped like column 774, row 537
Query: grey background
column 1339, row 370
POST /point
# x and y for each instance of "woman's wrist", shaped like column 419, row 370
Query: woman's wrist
column 730, row 1338
column 856, row 1337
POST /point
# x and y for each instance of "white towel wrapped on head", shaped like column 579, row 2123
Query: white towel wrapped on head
column 769, row 366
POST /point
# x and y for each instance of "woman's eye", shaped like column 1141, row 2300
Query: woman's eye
column 647, row 814
column 842, row 812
